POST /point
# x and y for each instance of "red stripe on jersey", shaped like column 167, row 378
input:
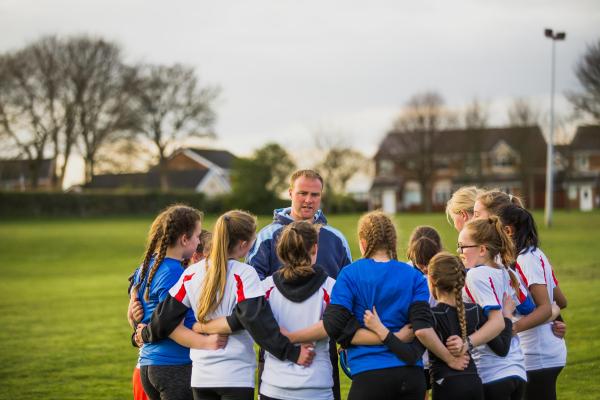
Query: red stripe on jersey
column 520, row 271
column 494, row 290
column 325, row 296
column 268, row 293
column 469, row 293
column 182, row 292
column 544, row 268
column 554, row 277
column 240, row 288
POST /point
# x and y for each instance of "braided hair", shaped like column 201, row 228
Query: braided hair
column 447, row 274
column 175, row 221
column 379, row 233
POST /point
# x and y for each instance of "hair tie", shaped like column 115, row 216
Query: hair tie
column 226, row 218
column 510, row 197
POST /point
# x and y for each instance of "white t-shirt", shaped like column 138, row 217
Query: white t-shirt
column 285, row 379
column 234, row 365
column 541, row 348
column 486, row 286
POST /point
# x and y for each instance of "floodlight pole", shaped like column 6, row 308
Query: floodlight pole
column 550, row 145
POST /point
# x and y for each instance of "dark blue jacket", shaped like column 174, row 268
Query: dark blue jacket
column 333, row 255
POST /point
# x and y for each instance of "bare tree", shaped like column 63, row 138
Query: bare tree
column 339, row 165
column 588, row 74
column 420, row 125
column 476, row 115
column 101, row 87
column 171, row 105
column 522, row 113
column 31, row 112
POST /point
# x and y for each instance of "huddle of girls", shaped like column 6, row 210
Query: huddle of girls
column 484, row 317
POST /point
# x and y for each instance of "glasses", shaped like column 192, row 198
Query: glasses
column 461, row 249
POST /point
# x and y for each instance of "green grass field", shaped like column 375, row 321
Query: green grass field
column 63, row 332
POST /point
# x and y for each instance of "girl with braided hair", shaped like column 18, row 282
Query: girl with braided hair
column 545, row 353
column 480, row 244
column 400, row 293
column 165, row 366
column 227, row 298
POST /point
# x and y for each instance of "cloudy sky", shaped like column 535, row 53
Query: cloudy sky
column 290, row 68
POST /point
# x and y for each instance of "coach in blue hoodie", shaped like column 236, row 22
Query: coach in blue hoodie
column 305, row 191
column 333, row 252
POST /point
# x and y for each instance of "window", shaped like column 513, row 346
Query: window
column 386, row 167
column 412, row 194
column 582, row 162
column 442, row 191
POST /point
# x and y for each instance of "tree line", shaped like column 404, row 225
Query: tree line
column 60, row 93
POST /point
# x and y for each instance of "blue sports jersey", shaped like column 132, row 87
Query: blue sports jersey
column 389, row 286
column 166, row 351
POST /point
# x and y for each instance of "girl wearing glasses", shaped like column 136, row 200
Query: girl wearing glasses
column 545, row 354
column 480, row 242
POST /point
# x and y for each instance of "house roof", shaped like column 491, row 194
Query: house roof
column 221, row 158
column 460, row 141
column 185, row 179
column 15, row 169
column 587, row 137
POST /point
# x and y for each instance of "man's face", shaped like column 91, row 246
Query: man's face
column 306, row 198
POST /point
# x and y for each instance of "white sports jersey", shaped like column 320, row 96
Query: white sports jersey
column 541, row 348
column 285, row 379
column 234, row 365
column 485, row 286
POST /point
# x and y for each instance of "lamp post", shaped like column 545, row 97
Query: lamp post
column 550, row 145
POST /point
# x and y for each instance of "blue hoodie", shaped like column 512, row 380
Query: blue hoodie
column 333, row 255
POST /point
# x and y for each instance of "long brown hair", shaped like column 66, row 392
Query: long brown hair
column 294, row 249
column 447, row 274
column 166, row 229
column 230, row 229
column 494, row 200
column 490, row 233
column 379, row 233
column 424, row 243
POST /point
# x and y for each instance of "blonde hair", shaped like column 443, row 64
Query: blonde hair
column 230, row 228
column 294, row 249
column 379, row 233
column 165, row 230
column 490, row 233
column 462, row 200
column 494, row 200
column 447, row 273
column 308, row 173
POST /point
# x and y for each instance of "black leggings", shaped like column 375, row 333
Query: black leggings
column 167, row 382
column 224, row 393
column 463, row 387
column 512, row 388
column 388, row 384
column 541, row 384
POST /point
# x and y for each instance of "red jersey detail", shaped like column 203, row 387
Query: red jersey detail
column 494, row 290
column 182, row 292
column 325, row 296
column 554, row 277
column 544, row 268
column 469, row 294
column 520, row 271
column 240, row 288
column 268, row 293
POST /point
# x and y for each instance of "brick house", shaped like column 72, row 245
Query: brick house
column 511, row 159
column 583, row 177
column 200, row 170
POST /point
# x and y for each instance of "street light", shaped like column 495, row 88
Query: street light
column 550, row 146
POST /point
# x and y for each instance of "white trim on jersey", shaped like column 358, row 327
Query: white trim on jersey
column 542, row 349
column 284, row 379
column 234, row 365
